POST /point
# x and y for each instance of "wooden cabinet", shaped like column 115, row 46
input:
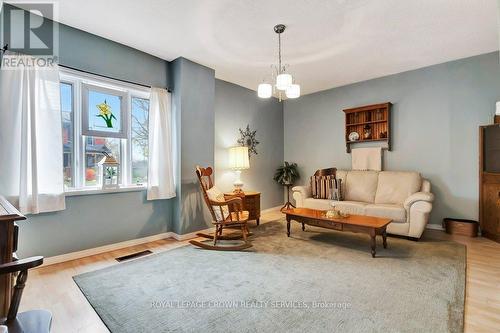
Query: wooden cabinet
column 251, row 203
column 489, row 181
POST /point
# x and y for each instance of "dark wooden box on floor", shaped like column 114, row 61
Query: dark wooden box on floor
column 251, row 203
column 461, row 227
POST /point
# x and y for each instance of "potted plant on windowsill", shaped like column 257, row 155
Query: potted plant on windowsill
column 286, row 175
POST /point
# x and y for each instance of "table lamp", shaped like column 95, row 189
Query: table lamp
column 238, row 160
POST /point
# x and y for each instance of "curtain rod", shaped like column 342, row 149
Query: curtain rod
column 6, row 47
column 109, row 77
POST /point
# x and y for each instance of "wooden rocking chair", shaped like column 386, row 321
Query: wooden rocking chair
column 237, row 218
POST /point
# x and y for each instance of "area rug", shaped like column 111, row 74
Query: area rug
column 315, row 281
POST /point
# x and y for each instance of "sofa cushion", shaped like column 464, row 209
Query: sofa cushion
column 361, row 186
column 395, row 212
column 395, row 186
column 321, row 204
column 350, row 207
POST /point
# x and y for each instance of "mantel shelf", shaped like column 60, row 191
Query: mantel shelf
column 367, row 140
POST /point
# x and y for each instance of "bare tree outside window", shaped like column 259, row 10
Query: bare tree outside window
column 140, row 135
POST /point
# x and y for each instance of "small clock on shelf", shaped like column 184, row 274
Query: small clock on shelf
column 353, row 136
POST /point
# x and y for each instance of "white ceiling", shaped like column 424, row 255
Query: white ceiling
column 327, row 43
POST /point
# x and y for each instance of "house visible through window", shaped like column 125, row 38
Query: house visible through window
column 103, row 117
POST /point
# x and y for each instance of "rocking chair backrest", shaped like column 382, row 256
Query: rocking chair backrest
column 206, row 183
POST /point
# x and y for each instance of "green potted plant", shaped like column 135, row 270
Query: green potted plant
column 286, row 175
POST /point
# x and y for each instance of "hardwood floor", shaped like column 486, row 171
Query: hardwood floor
column 52, row 287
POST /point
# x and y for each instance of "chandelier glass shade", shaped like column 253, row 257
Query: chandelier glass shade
column 293, row 91
column 283, row 83
column 265, row 90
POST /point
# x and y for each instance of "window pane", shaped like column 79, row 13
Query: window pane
column 67, row 127
column 94, row 148
column 140, row 113
column 104, row 112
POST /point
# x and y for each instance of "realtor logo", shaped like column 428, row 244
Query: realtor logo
column 29, row 28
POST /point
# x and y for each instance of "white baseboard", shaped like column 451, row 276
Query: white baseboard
column 105, row 248
column 434, row 227
column 117, row 246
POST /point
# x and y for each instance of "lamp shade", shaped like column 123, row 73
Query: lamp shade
column 283, row 81
column 265, row 90
column 238, row 158
column 293, row 91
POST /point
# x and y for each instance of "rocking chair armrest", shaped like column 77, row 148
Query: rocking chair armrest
column 21, row 265
column 235, row 201
column 226, row 202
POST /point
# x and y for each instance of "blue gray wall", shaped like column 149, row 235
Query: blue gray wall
column 96, row 220
column 88, row 52
column 93, row 220
column 436, row 114
column 193, row 107
column 85, row 51
column 235, row 107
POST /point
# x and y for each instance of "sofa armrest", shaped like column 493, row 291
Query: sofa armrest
column 300, row 193
column 418, row 208
column 416, row 197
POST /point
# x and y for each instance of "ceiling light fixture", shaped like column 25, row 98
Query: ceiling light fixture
column 283, row 82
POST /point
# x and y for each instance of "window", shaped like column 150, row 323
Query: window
column 139, row 135
column 102, row 116
column 104, row 112
column 67, row 126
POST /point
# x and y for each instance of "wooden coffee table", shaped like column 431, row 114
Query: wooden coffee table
column 371, row 225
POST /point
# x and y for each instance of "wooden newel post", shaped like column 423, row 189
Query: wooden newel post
column 8, row 215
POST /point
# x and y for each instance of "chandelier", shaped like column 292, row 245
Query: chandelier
column 283, row 82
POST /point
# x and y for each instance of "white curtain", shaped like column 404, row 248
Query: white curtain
column 160, row 165
column 31, row 166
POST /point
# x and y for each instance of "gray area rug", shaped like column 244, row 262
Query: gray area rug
column 315, row 281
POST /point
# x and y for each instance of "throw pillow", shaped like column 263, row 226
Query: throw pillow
column 322, row 186
column 326, row 187
column 214, row 194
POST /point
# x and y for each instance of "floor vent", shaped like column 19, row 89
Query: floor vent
column 133, row 255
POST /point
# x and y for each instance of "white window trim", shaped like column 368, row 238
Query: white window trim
column 89, row 190
column 78, row 80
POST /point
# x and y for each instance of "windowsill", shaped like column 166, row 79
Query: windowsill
column 89, row 191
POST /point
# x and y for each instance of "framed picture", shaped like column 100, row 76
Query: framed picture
column 104, row 112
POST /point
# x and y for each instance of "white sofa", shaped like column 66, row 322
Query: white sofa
column 404, row 197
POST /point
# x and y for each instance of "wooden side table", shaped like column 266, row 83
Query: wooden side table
column 251, row 203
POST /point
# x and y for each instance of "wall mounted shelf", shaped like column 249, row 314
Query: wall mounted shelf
column 371, row 122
